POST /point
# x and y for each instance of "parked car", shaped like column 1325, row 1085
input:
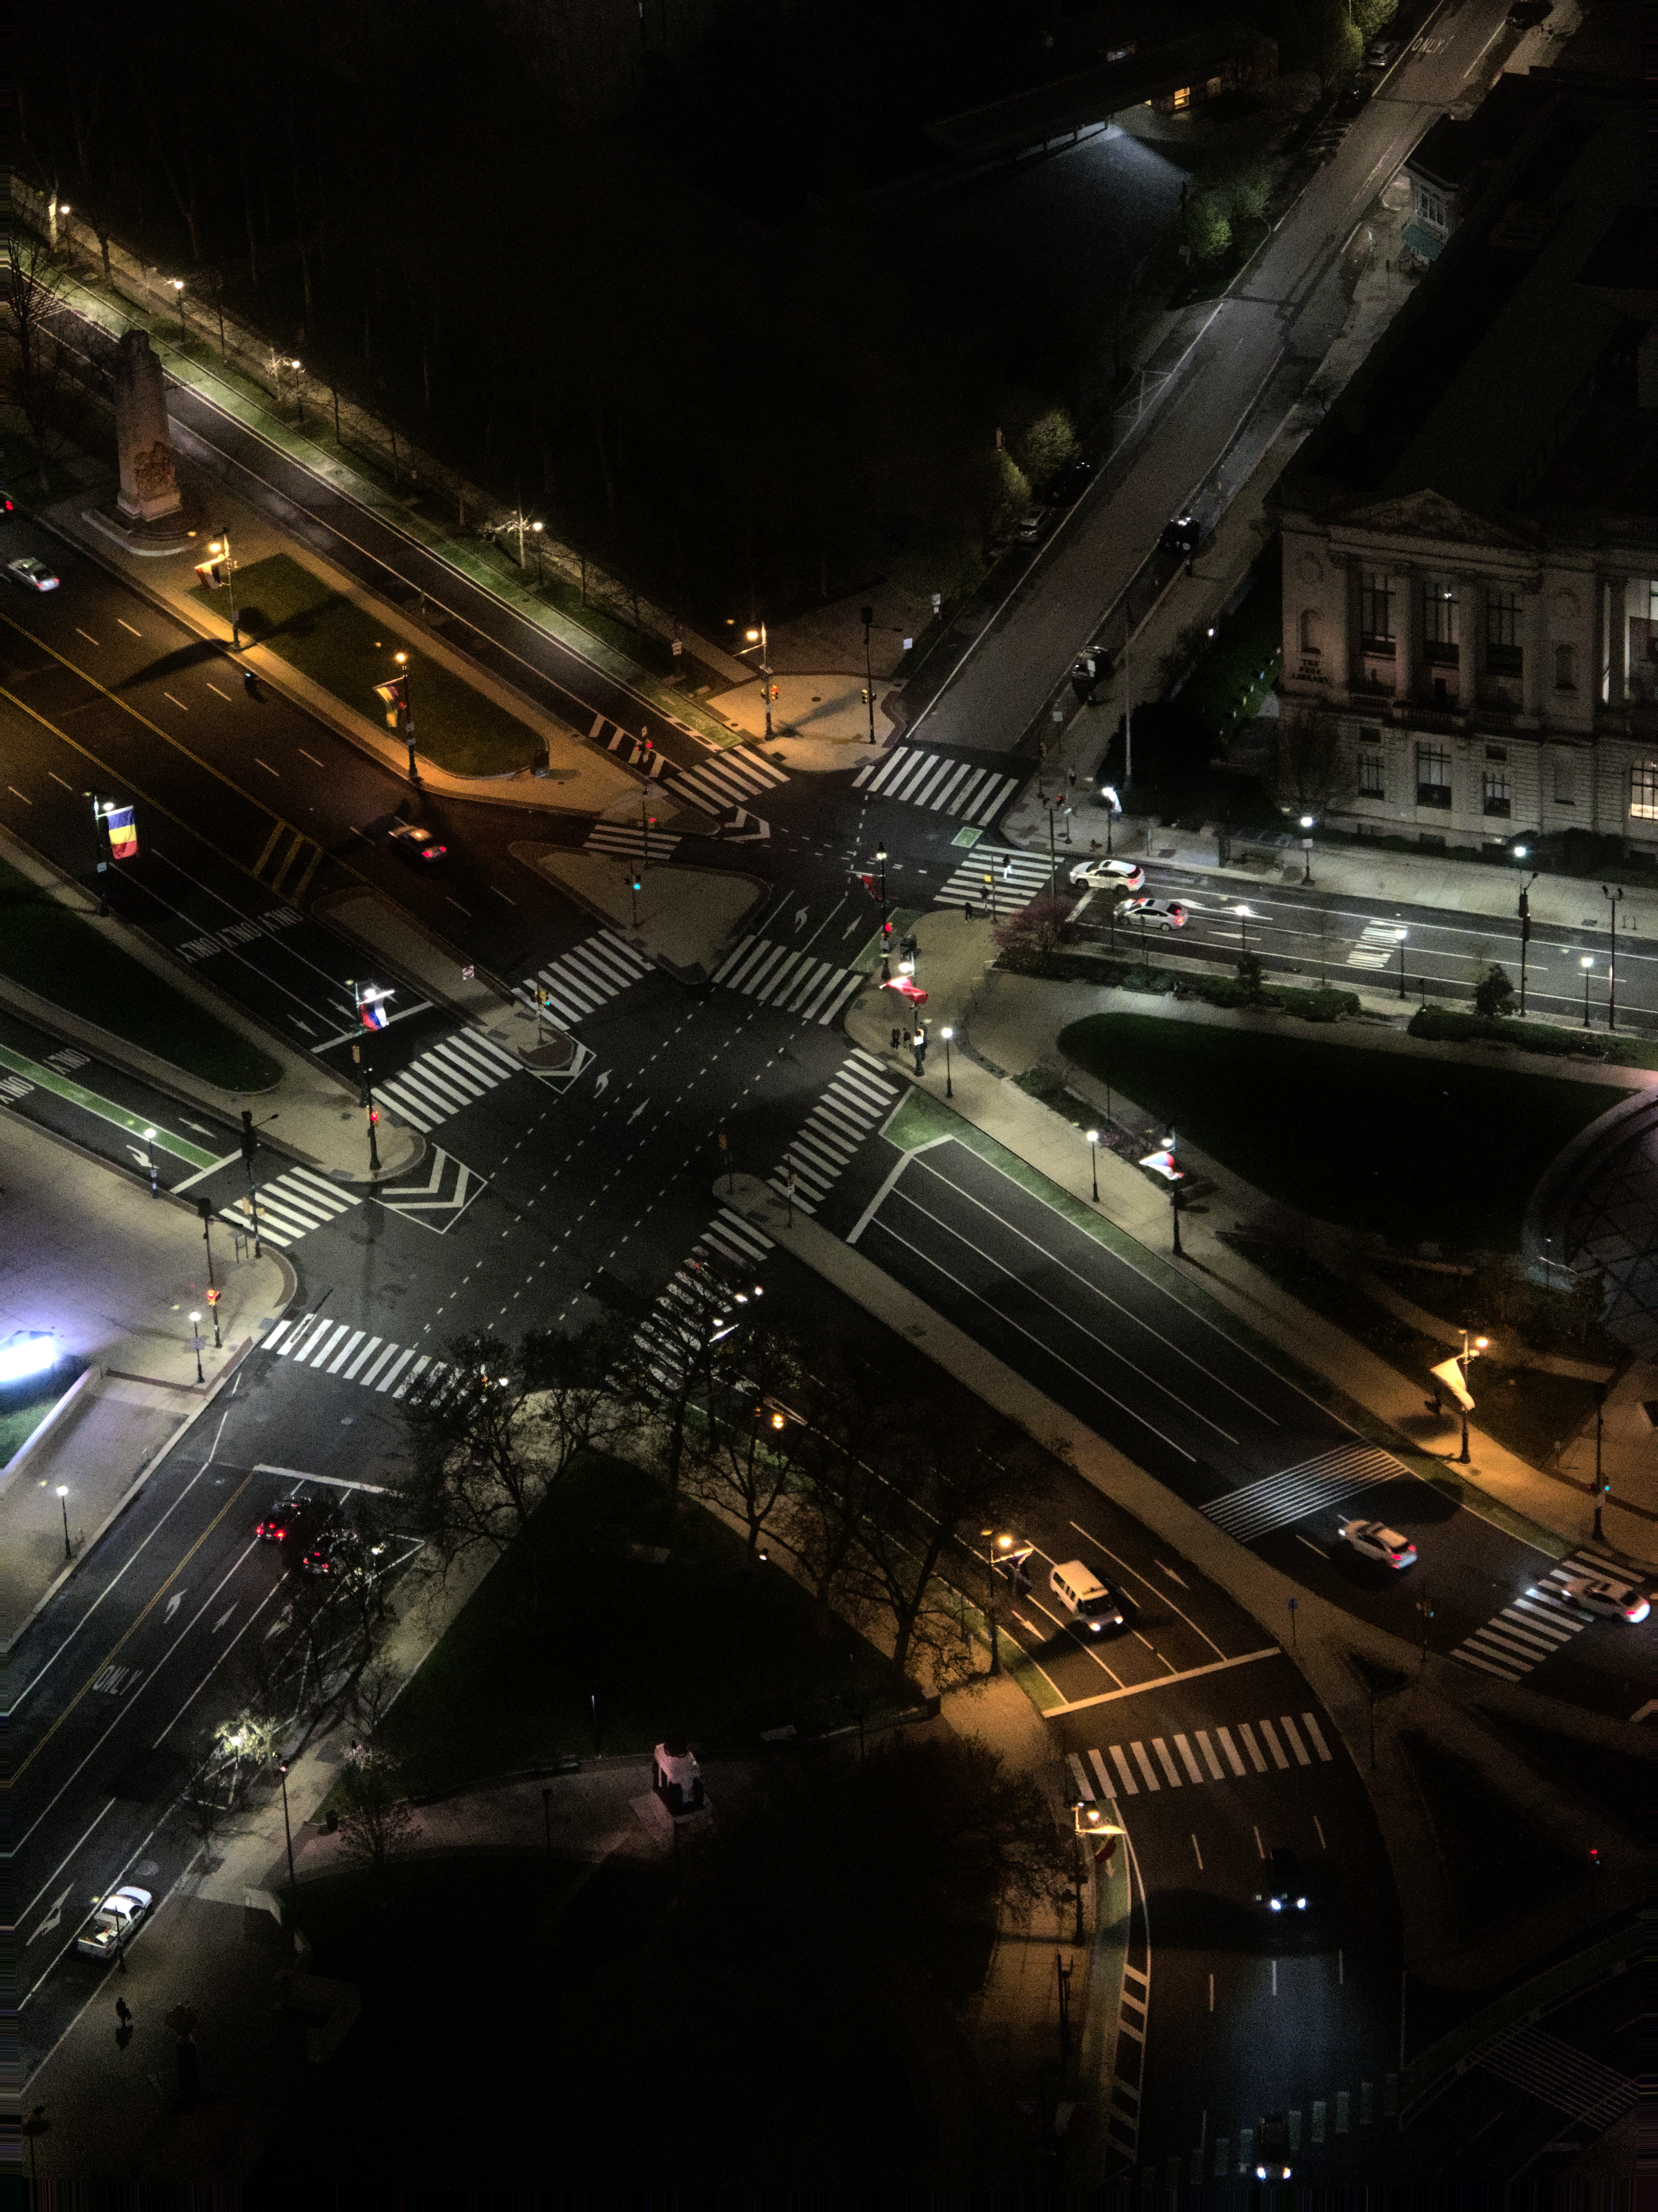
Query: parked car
column 1382, row 54
column 113, row 1925
column 1073, row 481
column 34, row 575
column 1034, row 525
column 1180, row 537
column 1353, row 95
column 1525, row 14
column 1286, row 1886
column 1108, row 875
column 420, row 847
column 330, row 1552
column 289, row 1522
column 1374, row 1540
column 1610, row 1596
column 1154, row 914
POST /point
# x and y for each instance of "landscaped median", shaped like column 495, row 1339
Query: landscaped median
column 49, row 950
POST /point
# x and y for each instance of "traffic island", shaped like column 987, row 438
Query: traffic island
column 680, row 918
column 439, row 971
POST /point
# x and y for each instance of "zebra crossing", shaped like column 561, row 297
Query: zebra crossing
column 639, row 753
column 1535, row 1626
column 577, row 983
column 1594, row 2094
column 1278, row 1500
column 1222, row 1758
column 1018, row 877
column 1376, row 944
column 630, row 841
column 726, row 779
column 445, row 1078
column 290, row 1207
column 858, row 1101
column 332, row 1347
column 696, row 1299
column 793, row 982
column 940, row 784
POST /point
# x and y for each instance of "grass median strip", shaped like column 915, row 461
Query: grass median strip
column 76, row 1094
column 348, row 649
column 62, row 959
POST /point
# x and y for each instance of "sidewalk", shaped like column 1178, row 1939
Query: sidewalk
column 115, row 1275
column 1443, row 1700
column 681, row 917
column 1001, row 1023
column 319, row 1117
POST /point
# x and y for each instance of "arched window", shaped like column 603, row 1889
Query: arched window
column 1310, row 631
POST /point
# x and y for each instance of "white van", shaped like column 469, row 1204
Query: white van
column 1085, row 1596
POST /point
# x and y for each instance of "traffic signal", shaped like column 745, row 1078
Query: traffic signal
column 7, row 509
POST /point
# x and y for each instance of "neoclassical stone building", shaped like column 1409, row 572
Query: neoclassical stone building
column 1470, row 539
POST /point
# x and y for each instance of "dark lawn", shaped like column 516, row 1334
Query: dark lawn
column 1425, row 1151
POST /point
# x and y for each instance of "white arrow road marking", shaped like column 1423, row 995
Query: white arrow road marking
column 220, row 1621
column 637, row 1111
column 277, row 1628
column 52, row 1918
column 760, row 829
column 801, row 914
column 601, row 1083
column 172, row 1604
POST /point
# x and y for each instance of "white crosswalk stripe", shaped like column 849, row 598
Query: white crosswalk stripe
column 940, row 784
column 1378, row 943
column 1017, row 878
column 726, row 779
column 631, row 839
column 580, row 981
column 1562, row 2076
column 793, row 982
column 445, row 1078
column 290, row 1206
column 1206, row 1755
column 1535, row 1628
column 1278, row 1500
column 859, row 1100
column 701, row 1293
column 351, row 1355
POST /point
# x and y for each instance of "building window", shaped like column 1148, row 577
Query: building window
column 1182, row 98
column 1433, row 776
column 1440, row 629
column 1644, row 791
column 1310, row 631
column 1375, row 610
column 1502, row 652
column 1565, row 667
column 1430, row 206
column 1497, row 752
column 1566, row 783
column 1495, row 796
column 1370, row 776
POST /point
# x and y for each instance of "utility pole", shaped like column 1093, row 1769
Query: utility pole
column 866, row 616
column 204, row 1207
column 1614, row 897
column 886, row 964
column 1525, row 933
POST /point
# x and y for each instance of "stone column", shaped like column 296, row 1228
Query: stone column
column 1531, row 642
column 149, row 487
column 1408, row 635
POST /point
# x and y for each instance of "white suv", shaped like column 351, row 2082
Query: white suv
column 1108, row 875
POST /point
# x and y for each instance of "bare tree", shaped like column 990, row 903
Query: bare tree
column 669, row 1365
column 42, row 382
column 490, row 1438
column 748, row 1454
column 1311, row 771
column 376, row 1823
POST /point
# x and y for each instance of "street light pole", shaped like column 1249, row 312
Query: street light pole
column 886, row 965
column 950, row 1088
column 1094, row 1161
column 1471, row 1349
column 1600, row 1484
column 1614, row 897
column 287, row 1829
column 1525, row 932
column 407, row 712
column 1588, row 966
column 1173, row 1215
column 1306, row 850
column 867, row 616
column 63, row 1500
column 100, row 847
column 1399, row 936
column 204, row 1207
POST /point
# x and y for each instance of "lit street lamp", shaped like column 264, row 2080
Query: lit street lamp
column 536, row 530
column 149, row 1147
column 196, row 1342
column 757, row 637
column 886, row 964
column 179, row 293
column 1244, row 917
column 1399, row 936
column 406, row 712
column 1306, row 849
column 1094, row 1161
column 947, row 1033
column 1472, row 1348
column 1586, row 964
column 62, row 1501
column 204, row 1207
column 1615, row 898
column 287, row 1830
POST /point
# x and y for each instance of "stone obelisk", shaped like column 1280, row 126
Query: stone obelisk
column 149, row 485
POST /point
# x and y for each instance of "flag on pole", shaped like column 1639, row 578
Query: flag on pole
column 374, row 1015
column 394, row 698
column 868, row 883
column 123, row 833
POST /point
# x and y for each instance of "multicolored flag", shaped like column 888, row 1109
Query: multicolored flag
column 374, row 1015
column 868, row 883
column 123, row 833
column 394, row 698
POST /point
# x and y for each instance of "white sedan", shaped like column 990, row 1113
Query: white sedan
column 1374, row 1540
column 1108, row 875
column 1612, row 1599
column 113, row 1925
column 34, row 575
column 1155, row 913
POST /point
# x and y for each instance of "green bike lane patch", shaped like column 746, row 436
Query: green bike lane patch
column 922, row 1120
column 106, row 1110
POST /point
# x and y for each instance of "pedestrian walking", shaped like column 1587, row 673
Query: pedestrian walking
column 897, row 1037
column 123, row 2013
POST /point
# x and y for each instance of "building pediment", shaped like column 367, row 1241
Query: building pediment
column 1431, row 515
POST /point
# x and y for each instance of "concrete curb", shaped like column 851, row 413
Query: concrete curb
column 83, row 1383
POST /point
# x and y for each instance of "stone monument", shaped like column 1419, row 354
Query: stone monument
column 149, row 485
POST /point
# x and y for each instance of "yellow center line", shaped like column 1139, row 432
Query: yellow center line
column 137, row 1623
